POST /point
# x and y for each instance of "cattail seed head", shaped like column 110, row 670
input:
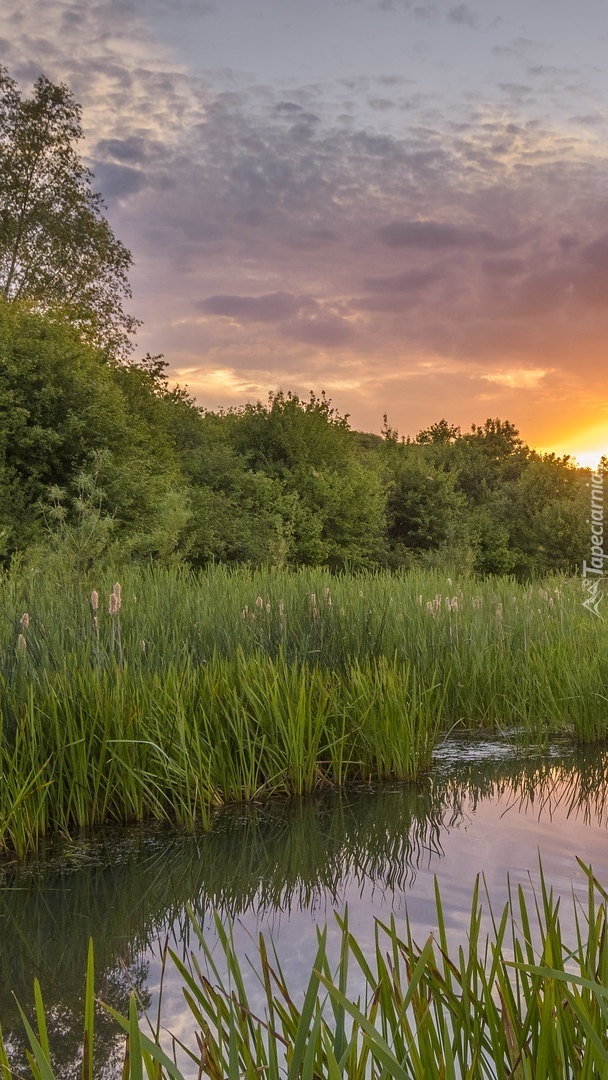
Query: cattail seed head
column 24, row 621
column 259, row 602
column 94, row 601
column 21, row 645
column 115, row 600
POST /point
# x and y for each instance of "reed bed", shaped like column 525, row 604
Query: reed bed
column 517, row 1000
column 174, row 692
column 84, row 746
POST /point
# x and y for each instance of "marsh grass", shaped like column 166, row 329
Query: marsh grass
column 123, row 745
column 516, row 1001
column 172, row 692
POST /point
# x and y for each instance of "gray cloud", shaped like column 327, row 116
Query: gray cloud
column 118, row 181
column 503, row 266
column 438, row 235
column 272, row 307
column 324, row 331
column 130, row 151
column 409, row 281
column 462, row 15
column 595, row 254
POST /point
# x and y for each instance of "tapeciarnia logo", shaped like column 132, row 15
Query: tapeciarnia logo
column 593, row 570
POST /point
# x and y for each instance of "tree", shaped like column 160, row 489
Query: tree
column 66, row 415
column 57, row 250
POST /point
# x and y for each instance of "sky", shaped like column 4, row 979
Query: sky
column 404, row 204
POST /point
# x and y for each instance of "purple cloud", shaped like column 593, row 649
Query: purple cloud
column 268, row 308
column 438, row 235
column 409, row 281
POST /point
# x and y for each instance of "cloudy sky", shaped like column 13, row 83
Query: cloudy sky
column 402, row 203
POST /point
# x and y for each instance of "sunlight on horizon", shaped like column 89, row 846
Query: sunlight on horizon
column 588, row 459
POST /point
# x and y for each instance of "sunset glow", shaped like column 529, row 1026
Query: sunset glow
column 402, row 205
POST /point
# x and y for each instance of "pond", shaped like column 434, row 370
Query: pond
column 283, row 868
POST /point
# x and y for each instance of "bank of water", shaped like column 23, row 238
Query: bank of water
column 283, row 868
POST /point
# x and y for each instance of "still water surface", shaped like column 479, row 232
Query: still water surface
column 284, row 868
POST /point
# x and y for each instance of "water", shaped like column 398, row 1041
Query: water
column 284, row 868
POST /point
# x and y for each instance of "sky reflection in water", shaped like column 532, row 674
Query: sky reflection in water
column 284, row 868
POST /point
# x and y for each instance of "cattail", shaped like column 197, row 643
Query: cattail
column 21, row 645
column 144, row 647
column 259, row 602
column 24, row 621
column 94, row 601
column 268, row 608
column 499, row 613
column 244, row 613
column 281, row 608
column 477, row 603
column 115, row 600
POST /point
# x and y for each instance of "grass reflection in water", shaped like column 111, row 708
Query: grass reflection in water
column 284, row 855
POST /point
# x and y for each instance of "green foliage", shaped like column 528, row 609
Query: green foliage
column 71, row 425
column 516, row 1001
column 57, row 251
column 425, row 510
column 179, row 691
column 286, row 484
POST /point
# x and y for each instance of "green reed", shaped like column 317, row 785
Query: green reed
column 122, row 744
column 176, row 691
column 517, row 1000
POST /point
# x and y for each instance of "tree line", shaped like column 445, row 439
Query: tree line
column 99, row 454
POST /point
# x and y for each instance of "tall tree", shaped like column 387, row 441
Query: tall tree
column 57, row 250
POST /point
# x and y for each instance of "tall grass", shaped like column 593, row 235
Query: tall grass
column 184, row 691
column 89, row 745
column 517, row 1001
